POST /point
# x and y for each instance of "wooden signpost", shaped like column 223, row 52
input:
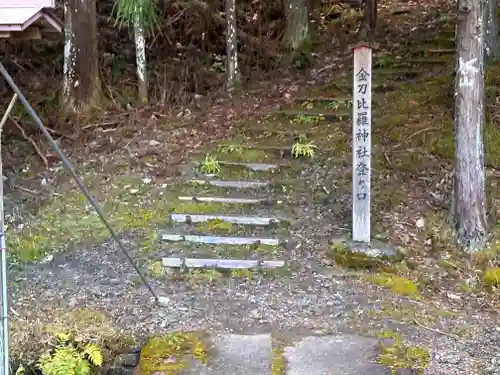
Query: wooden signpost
column 361, row 143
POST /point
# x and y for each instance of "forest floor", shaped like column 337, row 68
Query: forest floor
column 66, row 274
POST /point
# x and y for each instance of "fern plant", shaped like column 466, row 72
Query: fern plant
column 70, row 359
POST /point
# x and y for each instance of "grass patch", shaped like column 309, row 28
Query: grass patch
column 168, row 354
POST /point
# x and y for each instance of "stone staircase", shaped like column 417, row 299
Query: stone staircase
column 245, row 220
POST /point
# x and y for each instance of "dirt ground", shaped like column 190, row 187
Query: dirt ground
column 67, row 274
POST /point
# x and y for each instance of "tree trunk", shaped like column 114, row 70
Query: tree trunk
column 297, row 23
column 491, row 47
column 370, row 17
column 140, row 54
column 81, row 85
column 468, row 206
column 233, row 71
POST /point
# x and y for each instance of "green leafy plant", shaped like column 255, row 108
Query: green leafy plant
column 307, row 104
column 302, row 147
column 69, row 358
column 305, row 119
column 229, row 148
column 333, row 106
column 210, row 165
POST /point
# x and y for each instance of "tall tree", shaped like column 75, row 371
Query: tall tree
column 233, row 70
column 81, row 83
column 491, row 40
column 297, row 23
column 143, row 17
column 469, row 201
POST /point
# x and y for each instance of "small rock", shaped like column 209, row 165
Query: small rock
column 255, row 314
column 420, row 223
column 154, row 143
column 127, row 360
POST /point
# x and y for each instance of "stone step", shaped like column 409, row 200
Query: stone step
column 238, row 354
column 228, row 200
column 175, row 237
column 233, row 219
column 256, row 166
column 238, row 184
column 323, row 99
column 325, row 115
column 174, row 262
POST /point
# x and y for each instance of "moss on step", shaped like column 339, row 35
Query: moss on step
column 254, row 251
column 345, row 257
column 398, row 355
column 190, row 207
column 216, row 226
column 237, row 172
column 168, row 354
column 278, row 361
column 397, row 284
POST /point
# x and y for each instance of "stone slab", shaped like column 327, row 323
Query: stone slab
column 236, row 355
column 232, row 184
column 225, row 200
column 333, row 355
column 242, row 220
column 220, row 263
column 254, row 166
column 172, row 237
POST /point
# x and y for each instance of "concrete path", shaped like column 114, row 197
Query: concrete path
column 232, row 354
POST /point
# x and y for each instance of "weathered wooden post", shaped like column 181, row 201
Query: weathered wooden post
column 361, row 143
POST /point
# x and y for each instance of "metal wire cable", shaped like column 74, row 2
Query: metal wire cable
column 77, row 179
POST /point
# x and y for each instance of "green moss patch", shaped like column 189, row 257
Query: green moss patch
column 397, row 284
column 168, row 354
column 278, row 361
column 216, row 226
column 491, row 277
column 398, row 355
column 345, row 257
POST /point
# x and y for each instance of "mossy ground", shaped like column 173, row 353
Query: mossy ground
column 398, row 355
column 169, row 354
column 397, row 284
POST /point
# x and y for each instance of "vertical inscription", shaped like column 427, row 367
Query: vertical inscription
column 361, row 144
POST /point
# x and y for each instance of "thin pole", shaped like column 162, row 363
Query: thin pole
column 3, row 254
column 77, row 179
